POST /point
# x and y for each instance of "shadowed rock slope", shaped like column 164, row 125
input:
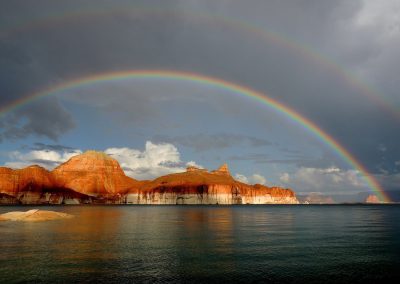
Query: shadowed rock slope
column 94, row 177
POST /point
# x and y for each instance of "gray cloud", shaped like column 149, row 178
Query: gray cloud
column 261, row 158
column 203, row 142
column 52, row 147
column 46, row 118
column 45, row 158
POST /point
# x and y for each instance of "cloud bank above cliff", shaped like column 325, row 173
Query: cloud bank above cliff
column 48, row 159
column 153, row 161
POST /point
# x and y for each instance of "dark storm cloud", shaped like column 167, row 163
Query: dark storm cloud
column 44, row 163
column 52, row 147
column 46, row 118
column 390, row 182
column 39, row 56
column 203, row 142
column 324, row 160
column 261, row 158
column 171, row 164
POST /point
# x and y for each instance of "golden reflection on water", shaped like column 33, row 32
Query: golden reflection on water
column 87, row 233
column 205, row 233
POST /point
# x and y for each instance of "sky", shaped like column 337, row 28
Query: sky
column 335, row 63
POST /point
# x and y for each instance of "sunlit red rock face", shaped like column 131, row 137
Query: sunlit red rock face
column 93, row 173
column 87, row 178
column 198, row 186
column 32, row 178
column 35, row 185
column 95, row 177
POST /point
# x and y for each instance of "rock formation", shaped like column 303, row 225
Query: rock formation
column 93, row 173
column 34, row 185
column 372, row 198
column 32, row 178
column 95, row 177
column 198, row 186
column 86, row 178
column 34, row 215
column 8, row 199
column 222, row 170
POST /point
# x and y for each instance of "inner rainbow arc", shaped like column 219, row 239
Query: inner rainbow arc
column 234, row 88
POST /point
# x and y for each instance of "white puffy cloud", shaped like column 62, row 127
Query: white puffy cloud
column 194, row 164
column 324, row 179
column 155, row 160
column 256, row 178
column 241, row 178
column 253, row 179
column 285, row 178
column 45, row 158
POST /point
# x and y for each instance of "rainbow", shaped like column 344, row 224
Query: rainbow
column 277, row 106
column 261, row 33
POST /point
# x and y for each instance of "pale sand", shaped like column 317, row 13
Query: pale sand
column 34, row 215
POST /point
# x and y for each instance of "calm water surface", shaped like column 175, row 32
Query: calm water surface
column 293, row 244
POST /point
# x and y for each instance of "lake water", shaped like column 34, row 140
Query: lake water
column 289, row 244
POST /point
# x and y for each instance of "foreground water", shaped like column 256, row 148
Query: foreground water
column 292, row 244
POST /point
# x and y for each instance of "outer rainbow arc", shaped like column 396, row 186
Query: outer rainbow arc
column 216, row 82
column 259, row 32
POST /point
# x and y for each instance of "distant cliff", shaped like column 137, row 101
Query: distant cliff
column 372, row 198
column 94, row 177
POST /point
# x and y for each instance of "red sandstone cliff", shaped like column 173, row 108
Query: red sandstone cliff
column 93, row 173
column 372, row 198
column 32, row 178
column 84, row 178
column 95, row 177
column 198, row 186
column 34, row 185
